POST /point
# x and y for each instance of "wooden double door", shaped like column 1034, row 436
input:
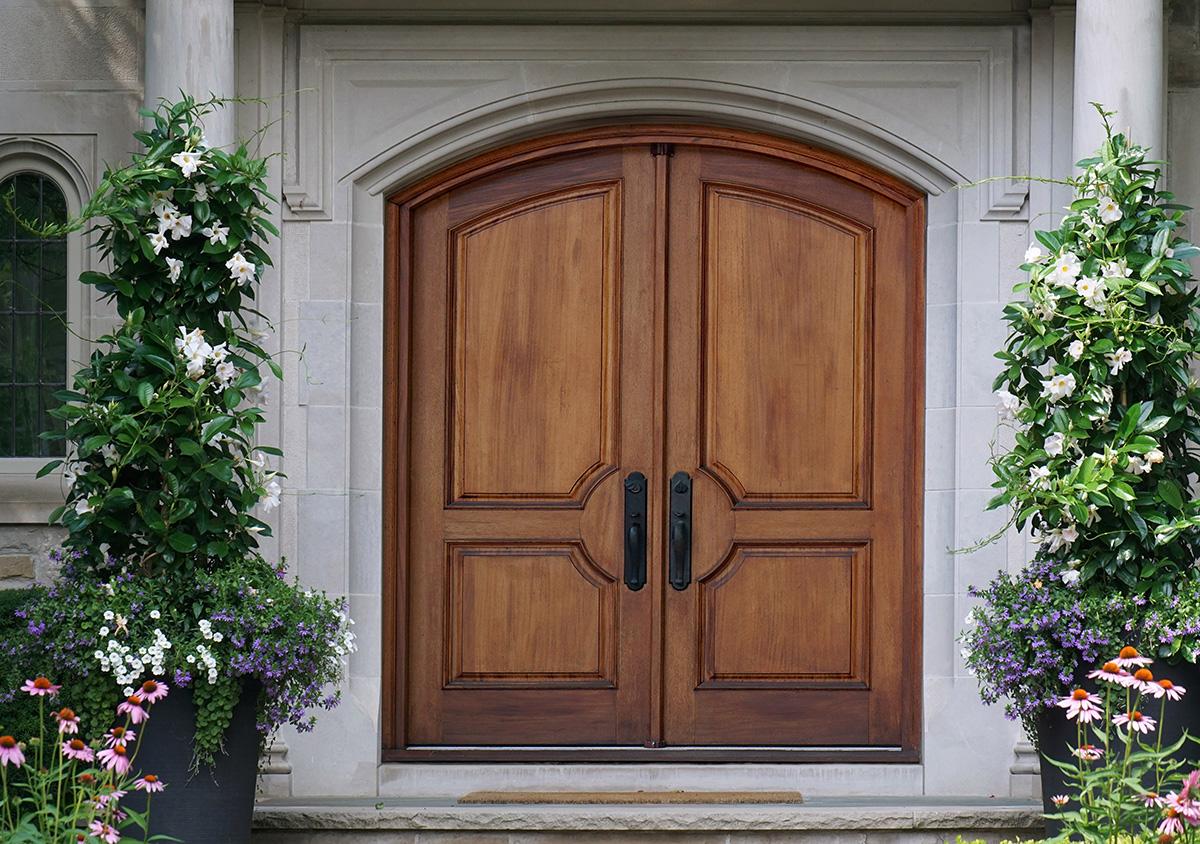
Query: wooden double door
column 653, row 451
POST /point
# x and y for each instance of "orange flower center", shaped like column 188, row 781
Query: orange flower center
column 1111, row 668
column 1128, row 652
column 41, row 683
column 119, row 750
column 150, row 778
column 86, row 778
column 117, row 732
column 134, row 699
column 66, row 714
column 76, row 744
column 1171, row 812
column 149, row 687
column 1080, row 694
column 1135, row 716
column 1166, row 684
column 8, row 742
column 1143, row 674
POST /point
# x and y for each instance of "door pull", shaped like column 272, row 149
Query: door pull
column 635, row 531
column 680, row 533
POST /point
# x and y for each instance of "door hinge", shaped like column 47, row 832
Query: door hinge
column 662, row 149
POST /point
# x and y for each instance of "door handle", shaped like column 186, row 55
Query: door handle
column 635, row 531
column 680, row 571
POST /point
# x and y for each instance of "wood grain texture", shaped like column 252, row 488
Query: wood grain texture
column 571, row 309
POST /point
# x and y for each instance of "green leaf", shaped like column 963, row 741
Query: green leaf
column 48, row 468
column 1169, row 493
column 216, row 426
column 145, row 393
column 182, row 542
column 189, row 446
column 1121, row 490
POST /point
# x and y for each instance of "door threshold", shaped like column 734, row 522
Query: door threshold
column 631, row 753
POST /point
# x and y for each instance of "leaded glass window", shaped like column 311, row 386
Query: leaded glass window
column 33, row 317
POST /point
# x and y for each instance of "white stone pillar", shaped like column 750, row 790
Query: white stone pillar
column 1118, row 63
column 189, row 47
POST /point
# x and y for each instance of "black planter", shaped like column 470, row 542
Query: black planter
column 213, row 805
column 1057, row 735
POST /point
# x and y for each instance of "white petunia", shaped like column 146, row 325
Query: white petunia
column 1108, row 209
column 1066, row 269
column 159, row 241
column 1075, row 350
column 1034, row 254
column 239, row 268
column 1054, row 444
column 188, row 162
column 1007, row 404
column 1118, row 359
column 1059, row 386
column 174, row 268
column 216, row 233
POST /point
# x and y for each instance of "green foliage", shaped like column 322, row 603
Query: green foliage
column 18, row 713
column 1096, row 379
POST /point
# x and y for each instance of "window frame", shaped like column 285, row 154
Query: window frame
column 24, row 498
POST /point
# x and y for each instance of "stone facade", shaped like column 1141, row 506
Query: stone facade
column 361, row 98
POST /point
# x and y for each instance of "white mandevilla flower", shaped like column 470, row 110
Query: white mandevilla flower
column 1059, row 386
column 1118, row 269
column 110, row 454
column 1054, row 444
column 1007, row 404
column 174, row 268
column 270, row 499
column 1047, row 308
column 1039, row 476
column 188, row 162
column 159, row 241
column 1060, row 538
column 71, row 471
column 1070, row 577
column 201, row 192
column 1117, row 359
column 1075, row 350
column 1066, row 269
column 239, row 268
column 1034, row 254
column 1137, row 465
column 166, row 214
column 216, row 233
column 225, row 372
column 83, row 506
column 1090, row 289
column 1108, row 209
column 1093, row 515
column 1154, row 456
column 181, row 227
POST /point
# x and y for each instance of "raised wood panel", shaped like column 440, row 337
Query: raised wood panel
column 537, row 615
column 786, row 334
column 533, row 400
column 786, row 616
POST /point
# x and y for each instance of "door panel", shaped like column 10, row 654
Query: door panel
column 792, row 405
column 528, row 289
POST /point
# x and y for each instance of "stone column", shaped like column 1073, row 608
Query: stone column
column 1119, row 63
column 189, row 47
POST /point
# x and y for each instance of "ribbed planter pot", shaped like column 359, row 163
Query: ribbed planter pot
column 1057, row 735
column 212, row 805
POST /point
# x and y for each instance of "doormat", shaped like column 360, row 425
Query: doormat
column 632, row 797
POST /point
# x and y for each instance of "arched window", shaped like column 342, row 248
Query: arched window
column 33, row 316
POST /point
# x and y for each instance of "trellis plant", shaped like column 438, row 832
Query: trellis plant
column 1096, row 382
column 165, row 483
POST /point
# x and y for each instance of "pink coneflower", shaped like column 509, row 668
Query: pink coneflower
column 1129, row 657
column 1164, row 687
column 132, row 706
column 154, row 690
column 1060, row 800
column 1082, row 704
column 68, row 721
column 1088, row 752
column 1153, row 798
column 10, row 752
column 79, row 751
column 119, row 735
column 1136, row 721
column 1171, row 822
column 1110, row 672
column 115, row 758
column 149, row 782
column 104, row 832
column 108, row 793
column 40, row 687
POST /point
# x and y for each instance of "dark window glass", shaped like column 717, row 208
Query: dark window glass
column 33, row 317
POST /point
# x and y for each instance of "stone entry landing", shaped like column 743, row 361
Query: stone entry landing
column 850, row 820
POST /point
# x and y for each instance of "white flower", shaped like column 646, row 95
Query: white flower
column 1138, row 466
column 83, row 506
column 225, row 372
column 1093, row 515
column 219, row 353
column 1108, row 209
column 110, row 454
column 1054, row 444
column 1075, row 350
column 1116, row 269
column 181, row 227
column 1090, row 289
column 1154, row 456
column 1118, row 359
column 201, row 192
column 188, row 162
column 1066, row 269
column 174, row 268
column 71, row 472
column 1034, row 254
column 1039, row 475
column 271, row 500
column 216, row 233
column 166, row 214
column 239, row 268
column 159, row 241
column 109, row 615
column 1046, row 309
column 1059, row 386
column 1007, row 404
column 104, row 631
column 156, row 614
column 1070, row 577
column 1061, row 537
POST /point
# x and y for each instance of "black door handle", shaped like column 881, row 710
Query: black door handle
column 680, row 572
column 635, row 531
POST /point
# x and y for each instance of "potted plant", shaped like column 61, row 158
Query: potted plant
column 1096, row 388
column 162, row 585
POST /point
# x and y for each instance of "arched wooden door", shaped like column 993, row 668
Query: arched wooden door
column 684, row 358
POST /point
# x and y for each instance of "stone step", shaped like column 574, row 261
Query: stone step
column 849, row 820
